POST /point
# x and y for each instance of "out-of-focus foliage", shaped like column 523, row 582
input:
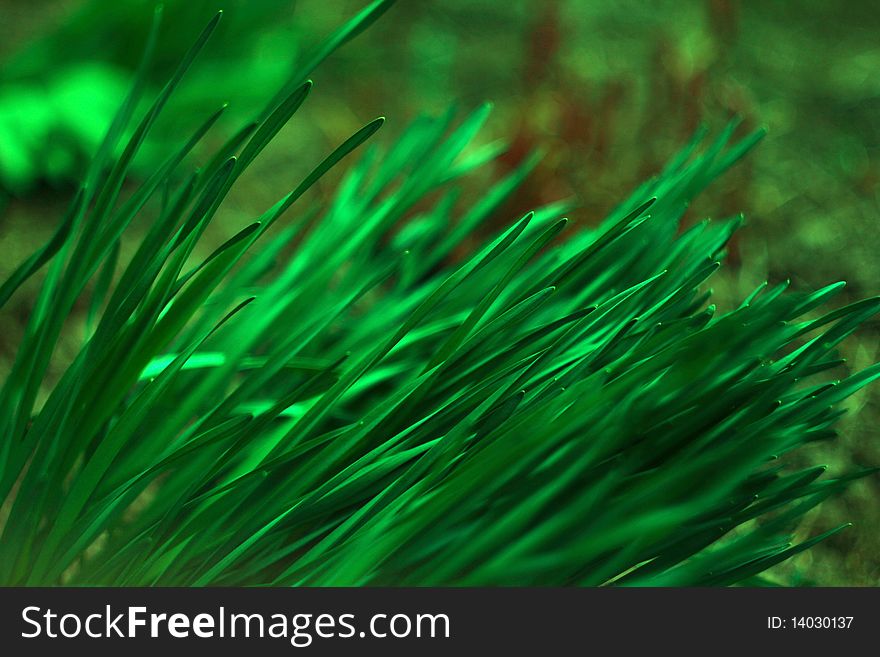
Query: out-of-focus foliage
column 59, row 91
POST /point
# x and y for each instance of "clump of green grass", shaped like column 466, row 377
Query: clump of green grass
column 351, row 404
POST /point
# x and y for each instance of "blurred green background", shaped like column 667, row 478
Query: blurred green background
column 607, row 90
